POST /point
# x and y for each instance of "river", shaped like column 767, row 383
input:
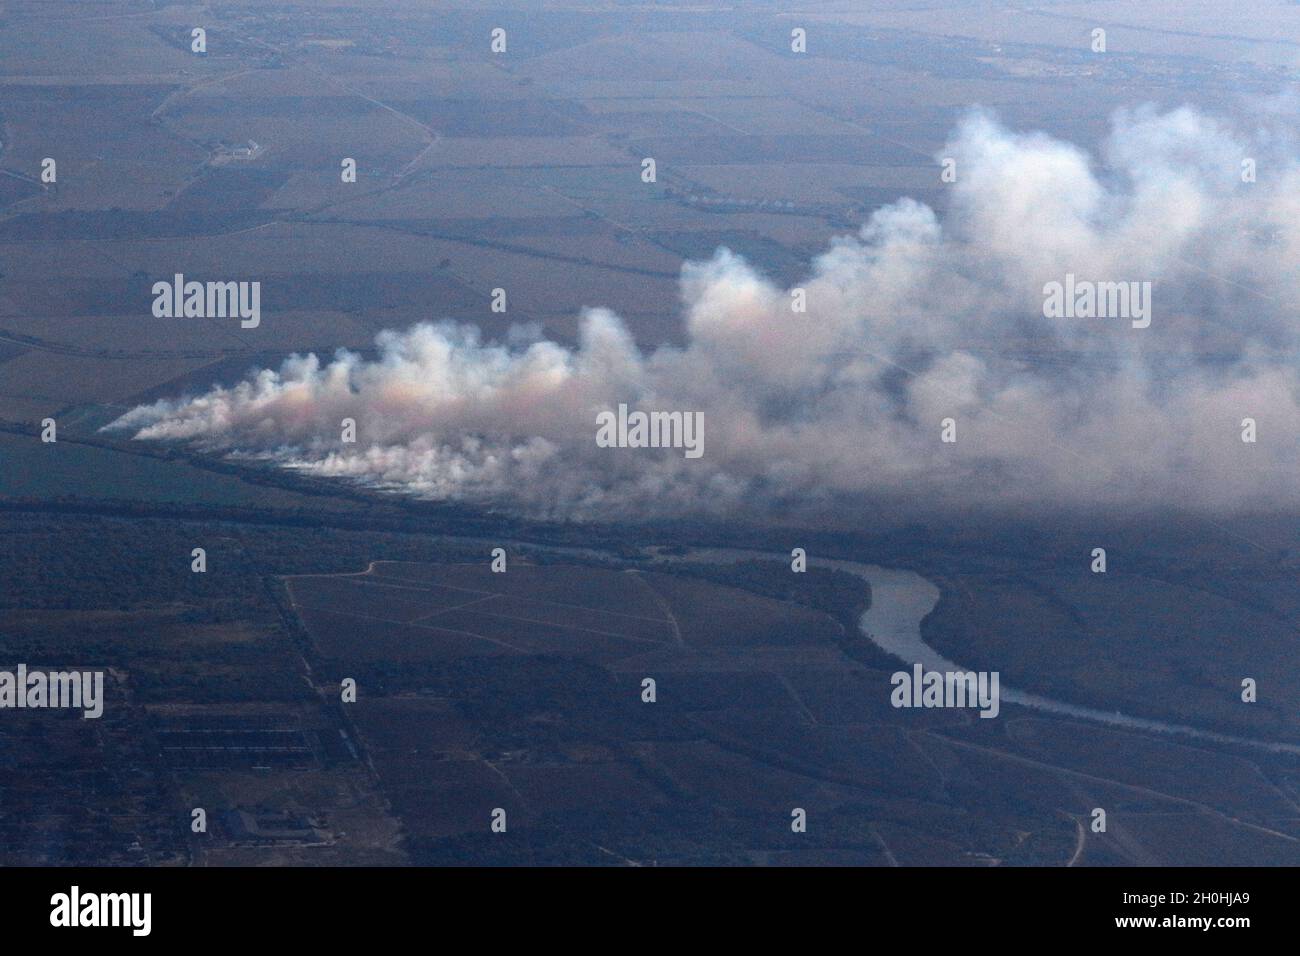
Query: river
column 901, row 599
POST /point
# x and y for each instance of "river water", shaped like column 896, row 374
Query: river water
column 901, row 599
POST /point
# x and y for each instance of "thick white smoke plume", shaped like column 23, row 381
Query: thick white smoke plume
column 908, row 323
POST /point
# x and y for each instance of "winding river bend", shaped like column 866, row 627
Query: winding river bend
column 901, row 599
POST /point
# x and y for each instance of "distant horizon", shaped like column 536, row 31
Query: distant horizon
column 559, row 436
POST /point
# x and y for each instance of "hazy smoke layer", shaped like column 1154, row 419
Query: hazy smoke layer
column 908, row 323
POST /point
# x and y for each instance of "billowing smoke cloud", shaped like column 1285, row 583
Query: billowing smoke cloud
column 908, row 323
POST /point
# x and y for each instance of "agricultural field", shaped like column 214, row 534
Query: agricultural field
column 475, row 170
column 521, row 691
column 520, row 176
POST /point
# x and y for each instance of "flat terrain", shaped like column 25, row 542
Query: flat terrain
column 522, row 170
column 479, row 170
column 522, row 691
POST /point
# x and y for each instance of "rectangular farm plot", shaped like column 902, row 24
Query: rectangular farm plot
column 366, row 596
column 345, row 637
column 416, row 611
column 712, row 616
column 573, row 617
column 594, row 588
column 407, row 611
column 535, row 638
